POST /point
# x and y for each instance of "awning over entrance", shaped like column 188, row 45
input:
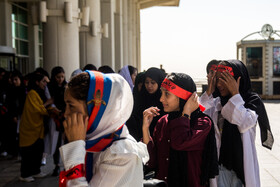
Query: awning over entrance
column 6, row 50
column 150, row 3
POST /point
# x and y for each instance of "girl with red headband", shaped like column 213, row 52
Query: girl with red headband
column 235, row 112
column 183, row 148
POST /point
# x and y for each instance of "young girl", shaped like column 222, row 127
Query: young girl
column 235, row 113
column 31, row 129
column 97, row 106
column 183, row 148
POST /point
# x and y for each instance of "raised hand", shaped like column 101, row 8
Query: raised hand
column 191, row 105
column 48, row 102
column 211, row 78
column 75, row 126
column 228, row 80
column 148, row 115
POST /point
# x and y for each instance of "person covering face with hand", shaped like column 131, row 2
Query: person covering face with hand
column 100, row 151
column 235, row 112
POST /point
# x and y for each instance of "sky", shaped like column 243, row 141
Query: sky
column 185, row 38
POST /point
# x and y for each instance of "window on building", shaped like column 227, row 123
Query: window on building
column 276, row 61
column 5, row 62
column 20, row 35
column 20, row 28
column 257, row 87
column 276, row 88
column 254, row 61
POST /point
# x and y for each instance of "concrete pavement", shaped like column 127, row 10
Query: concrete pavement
column 269, row 161
column 10, row 172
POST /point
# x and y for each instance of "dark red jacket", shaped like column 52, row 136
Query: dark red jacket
column 180, row 136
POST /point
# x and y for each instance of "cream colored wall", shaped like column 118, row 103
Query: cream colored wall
column 72, row 46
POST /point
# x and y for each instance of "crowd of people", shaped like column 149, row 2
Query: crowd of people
column 129, row 128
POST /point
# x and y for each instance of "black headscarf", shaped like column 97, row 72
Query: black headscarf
column 231, row 152
column 139, row 79
column 16, row 96
column 134, row 124
column 146, row 100
column 177, row 171
column 212, row 64
column 57, row 91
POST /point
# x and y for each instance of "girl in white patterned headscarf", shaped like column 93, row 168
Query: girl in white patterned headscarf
column 100, row 151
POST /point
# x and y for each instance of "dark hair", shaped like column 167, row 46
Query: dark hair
column 28, row 76
column 106, row 69
column 79, row 85
column 42, row 71
column 184, row 81
column 2, row 70
column 212, row 62
column 35, row 77
column 56, row 70
column 156, row 74
column 131, row 69
column 18, row 74
column 89, row 67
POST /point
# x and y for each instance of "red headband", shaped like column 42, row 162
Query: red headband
column 175, row 89
column 222, row 68
column 178, row 91
column 213, row 67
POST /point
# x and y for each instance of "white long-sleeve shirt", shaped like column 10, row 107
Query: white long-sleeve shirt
column 119, row 165
column 246, row 120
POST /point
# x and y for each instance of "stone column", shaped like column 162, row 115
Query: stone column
column 33, row 36
column 90, row 46
column 108, row 44
column 125, row 32
column 34, row 61
column 61, row 39
column 118, row 36
column 5, row 23
column 134, row 33
column 138, row 39
column 130, row 31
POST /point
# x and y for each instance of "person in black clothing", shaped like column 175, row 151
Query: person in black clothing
column 3, row 111
column 15, row 102
column 57, row 89
column 139, row 80
column 89, row 67
column 106, row 69
column 148, row 96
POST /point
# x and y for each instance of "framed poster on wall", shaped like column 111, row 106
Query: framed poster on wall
column 276, row 61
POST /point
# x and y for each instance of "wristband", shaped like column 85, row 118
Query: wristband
column 73, row 173
column 186, row 115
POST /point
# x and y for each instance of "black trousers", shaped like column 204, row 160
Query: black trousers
column 56, row 155
column 31, row 157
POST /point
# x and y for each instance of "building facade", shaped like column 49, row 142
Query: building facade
column 72, row 33
column 262, row 58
